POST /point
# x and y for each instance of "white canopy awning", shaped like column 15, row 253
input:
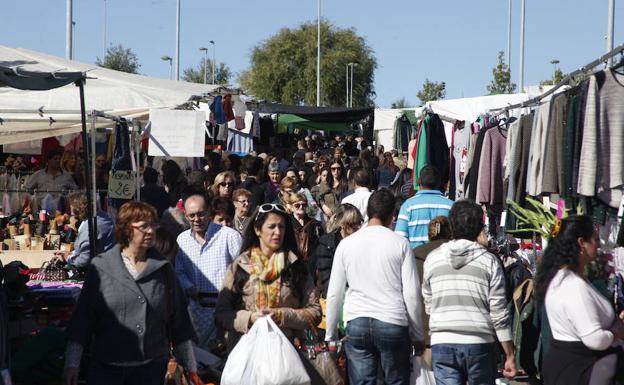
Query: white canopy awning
column 117, row 93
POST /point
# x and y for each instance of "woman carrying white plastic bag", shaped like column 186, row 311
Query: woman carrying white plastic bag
column 421, row 372
column 264, row 356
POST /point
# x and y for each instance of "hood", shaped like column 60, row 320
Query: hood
column 461, row 252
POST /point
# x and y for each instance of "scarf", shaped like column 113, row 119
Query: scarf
column 265, row 274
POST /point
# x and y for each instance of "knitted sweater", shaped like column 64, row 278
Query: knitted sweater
column 464, row 293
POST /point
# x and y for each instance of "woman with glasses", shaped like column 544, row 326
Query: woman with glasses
column 272, row 185
column 242, row 205
column 223, row 185
column 268, row 279
column 131, row 310
column 307, row 230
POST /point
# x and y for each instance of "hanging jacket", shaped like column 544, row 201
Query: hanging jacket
column 216, row 107
column 227, row 107
column 121, row 152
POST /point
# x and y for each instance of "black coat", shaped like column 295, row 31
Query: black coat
column 256, row 190
column 322, row 258
column 125, row 320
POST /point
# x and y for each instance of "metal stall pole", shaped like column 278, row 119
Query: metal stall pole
column 93, row 165
column 137, row 150
column 91, row 219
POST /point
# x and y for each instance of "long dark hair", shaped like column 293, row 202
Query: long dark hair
column 342, row 183
column 562, row 250
column 294, row 274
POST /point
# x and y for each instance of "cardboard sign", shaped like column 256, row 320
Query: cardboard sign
column 121, row 184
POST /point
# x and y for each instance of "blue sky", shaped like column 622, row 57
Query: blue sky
column 455, row 41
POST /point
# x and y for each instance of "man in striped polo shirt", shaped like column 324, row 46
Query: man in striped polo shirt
column 464, row 294
column 419, row 210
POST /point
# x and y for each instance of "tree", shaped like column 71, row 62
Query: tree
column 119, row 58
column 196, row 74
column 432, row 91
column 557, row 75
column 400, row 103
column 283, row 67
column 501, row 82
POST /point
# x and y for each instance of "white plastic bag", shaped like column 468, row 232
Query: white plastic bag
column 421, row 372
column 264, row 356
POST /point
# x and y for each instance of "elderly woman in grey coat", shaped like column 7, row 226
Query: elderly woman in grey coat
column 130, row 310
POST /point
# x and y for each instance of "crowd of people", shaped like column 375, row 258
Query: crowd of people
column 338, row 238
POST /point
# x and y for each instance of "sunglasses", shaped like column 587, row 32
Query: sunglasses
column 228, row 184
column 300, row 205
column 336, row 168
column 270, row 207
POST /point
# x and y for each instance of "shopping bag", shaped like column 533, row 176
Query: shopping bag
column 421, row 372
column 264, row 356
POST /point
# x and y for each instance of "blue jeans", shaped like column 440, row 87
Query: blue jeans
column 458, row 364
column 152, row 373
column 371, row 342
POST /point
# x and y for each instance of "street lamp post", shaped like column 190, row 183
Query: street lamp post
column 68, row 30
column 214, row 63
column 352, row 65
column 318, row 56
column 509, row 37
column 610, row 24
column 205, row 50
column 347, row 84
column 521, row 69
column 104, row 50
column 170, row 60
column 177, row 48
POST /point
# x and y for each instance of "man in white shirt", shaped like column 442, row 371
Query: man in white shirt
column 377, row 269
column 361, row 193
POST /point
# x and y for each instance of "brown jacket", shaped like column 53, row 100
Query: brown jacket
column 233, row 311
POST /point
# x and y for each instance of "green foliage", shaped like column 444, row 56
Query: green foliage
column 556, row 79
column 431, row 91
column 119, row 58
column 196, row 74
column 539, row 219
column 501, row 82
column 283, row 67
column 400, row 103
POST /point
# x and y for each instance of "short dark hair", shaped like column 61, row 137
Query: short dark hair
column 251, row 165
column 222, row 206
column 430, row 178
column 54, row 152
column 150, row 175
column 466, row 219
column 381, row 205
column 360, row 177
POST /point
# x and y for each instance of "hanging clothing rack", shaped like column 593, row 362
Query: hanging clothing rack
column 565, row 81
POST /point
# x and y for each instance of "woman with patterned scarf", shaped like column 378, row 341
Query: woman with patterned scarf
column 268, row 278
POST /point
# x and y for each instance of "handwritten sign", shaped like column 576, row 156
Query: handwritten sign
column 121, row 184
column 177, row 133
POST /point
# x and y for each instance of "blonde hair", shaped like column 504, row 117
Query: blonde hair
column 287, row 182
column 78, row 201
column 296, row 197
column 220, row 178
column 345, row 215
column 439, row 228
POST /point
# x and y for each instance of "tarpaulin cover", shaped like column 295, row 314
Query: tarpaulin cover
column 289, row 122
column 15, row 77
column 318, row 114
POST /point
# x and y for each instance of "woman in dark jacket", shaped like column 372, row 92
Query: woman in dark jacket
column 307, row 229
column 346, row 220
column 130, row 310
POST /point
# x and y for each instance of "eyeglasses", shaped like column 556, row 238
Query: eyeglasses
column 228, row 184
column 269, row 207
column 198, row 215
column 242, row 202
column 145, row 227
column 300, row 205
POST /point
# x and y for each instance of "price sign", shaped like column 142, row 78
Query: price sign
column 121, row 184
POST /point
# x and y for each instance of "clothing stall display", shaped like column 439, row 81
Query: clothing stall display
column 431, row 147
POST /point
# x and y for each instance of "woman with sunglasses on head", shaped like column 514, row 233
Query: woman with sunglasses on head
column 268, row 279
column 131, row 310
column 307, row 230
